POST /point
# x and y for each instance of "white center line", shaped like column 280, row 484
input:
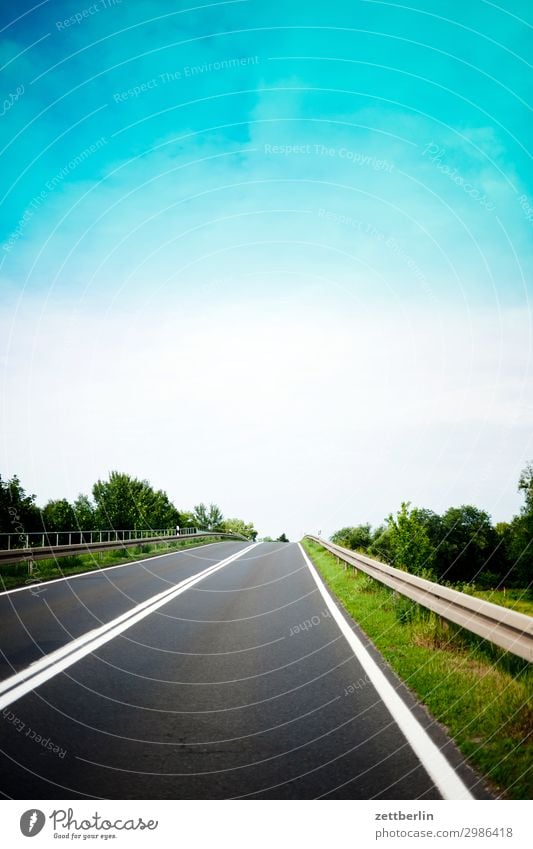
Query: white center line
column 47, row 667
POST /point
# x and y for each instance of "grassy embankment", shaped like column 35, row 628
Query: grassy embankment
column 16, row 574
column 516, row 599
column 483, row 696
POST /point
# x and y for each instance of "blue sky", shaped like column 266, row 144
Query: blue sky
column 275, row 255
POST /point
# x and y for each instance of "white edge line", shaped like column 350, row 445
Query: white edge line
column 42, row 670
column 440, row 771
column 103, row 569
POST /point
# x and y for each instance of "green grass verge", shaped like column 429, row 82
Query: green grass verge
column 480, row 694
column 14, row 575
column 516, row 599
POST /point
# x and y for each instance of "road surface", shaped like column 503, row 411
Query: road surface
column 152, row 680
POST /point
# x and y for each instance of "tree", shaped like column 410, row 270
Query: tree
column 18, row 512
column 358, row 538
column 156, row 510
column 200, row 515
column 238, row 526
column 186, row 520
column 124, row 502
column 58, row 516
column 519, row 536
column 409, row 542
column 519, row 550
column 117, row 501
column 84, row 513
column 381, row 546
column 469, row 546
column 282, row 538
column 525, row 485
column 432, row 523
column 210, row 517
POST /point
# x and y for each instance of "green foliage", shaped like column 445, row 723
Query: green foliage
column 58, row 516
column 366, row 584
column 121, row 502
column 468, row 545
column 210, row 517
column 461, row 546
column 186, row 520
column 409, row 540
column 358, row 538
column 519, row 548
column 525, row 485
column 127, row 502
column 405, row 610
column 381, row 545
column 282, row 538
column 518, row 536
column 18, row 512
column 84, row 513
column 238, row 526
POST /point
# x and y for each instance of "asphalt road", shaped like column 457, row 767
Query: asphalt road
column 243, row 685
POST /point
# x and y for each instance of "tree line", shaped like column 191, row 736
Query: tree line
column 121, row 502
column 460, row 546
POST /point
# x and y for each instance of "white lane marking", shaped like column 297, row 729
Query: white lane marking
column 47, row 667
column 43, row 584
column 443, row 775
